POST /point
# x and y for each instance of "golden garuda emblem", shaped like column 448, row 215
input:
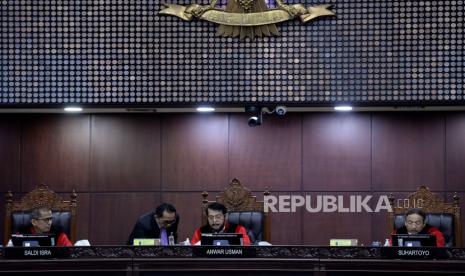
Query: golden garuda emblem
column 247, row 18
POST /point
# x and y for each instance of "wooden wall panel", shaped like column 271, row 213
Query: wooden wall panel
column 319, row 227
column 55, row 151
column 125, row 153
column 337, row 152
column 380, row 228
column 188, row 205
column 268, row 156
column 408, row 151
column 379, row 221
column 10, row 136
column 191, row 153
column 113, row 215
column 455, row 152
column 194, row 152
column 286, row 227
column 83, row 216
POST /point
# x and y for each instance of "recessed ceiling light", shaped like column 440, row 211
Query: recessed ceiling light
column 205, row 109
column 343, row 108
column 73, row 109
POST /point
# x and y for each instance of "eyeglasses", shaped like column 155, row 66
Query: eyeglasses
column 45, row 219
column 216, row 217
column 416, row 223
column 168, row 222
column 165, row 222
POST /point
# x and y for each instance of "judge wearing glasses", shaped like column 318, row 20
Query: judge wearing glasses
column 415, row 223
column 42, row 223
column 217, row 217
column 158, row 224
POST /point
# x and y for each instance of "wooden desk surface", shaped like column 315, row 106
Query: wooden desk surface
column 272, row 260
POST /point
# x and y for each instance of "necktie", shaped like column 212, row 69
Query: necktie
column 163, row 237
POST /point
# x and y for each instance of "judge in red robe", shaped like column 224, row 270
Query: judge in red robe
column 415, row 224
column 42, row 224
column 217, row 223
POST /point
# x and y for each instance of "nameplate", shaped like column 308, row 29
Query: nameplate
column 343, row 242
column 145, row 242
column 36, row 252
column 224, row 251
column 414, row 252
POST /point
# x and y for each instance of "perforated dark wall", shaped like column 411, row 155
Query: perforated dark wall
column 123, row 53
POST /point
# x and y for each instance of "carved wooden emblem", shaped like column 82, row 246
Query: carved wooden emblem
column 247, row 18
column 235, row 196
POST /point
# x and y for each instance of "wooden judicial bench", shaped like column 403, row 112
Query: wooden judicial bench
column 224, row 261
column 266, row 260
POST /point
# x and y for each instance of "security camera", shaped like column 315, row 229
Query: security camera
column 280, row 110
column 254, row 121
column 256, row 113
